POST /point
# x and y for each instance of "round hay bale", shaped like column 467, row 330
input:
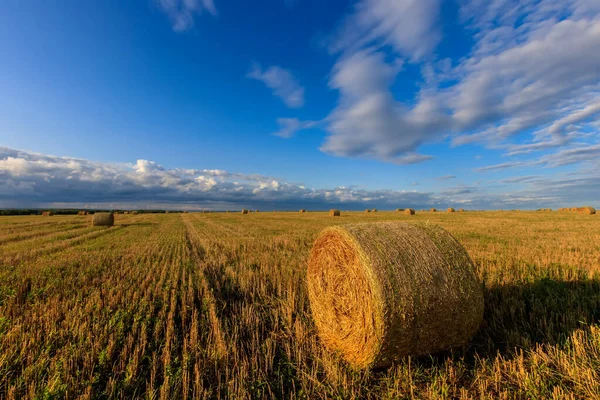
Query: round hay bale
column 134, row 212
column 334, row 213
column 245, row 211
column 103, row 219
column 461, row 210
column 574, row 209
column 302, row 211
column 399, row 209
column 587, row 210
column 432, row 210
column 256, row 211
column 367, row 210
column 47, row 213
column 82, row 213
column 409, row 211
column 374, row 210
column 450, row 209
column 382, row 291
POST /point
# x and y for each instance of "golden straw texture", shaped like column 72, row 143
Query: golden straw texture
column 586, row 210
column 382, row 291
column 103, row 219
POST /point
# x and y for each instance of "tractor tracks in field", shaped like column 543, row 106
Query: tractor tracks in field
column 20, row 256
column 197, row 252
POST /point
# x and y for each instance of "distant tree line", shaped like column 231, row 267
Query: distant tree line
column 72, row 211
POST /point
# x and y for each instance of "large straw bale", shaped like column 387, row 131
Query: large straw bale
column 432, row 210
column 334, row 213
column 368, row 210
column 450, row 210
column 302, row 211
column 103, row 219
column 245, row 211
column 586, row 210
column 382, row 291
column 409, row 211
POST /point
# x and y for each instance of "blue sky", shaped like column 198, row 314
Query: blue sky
column 222, row 104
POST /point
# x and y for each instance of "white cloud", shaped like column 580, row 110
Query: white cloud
column 289, row 126
column 530, row 83
column 409, row 26
column 281, row 81
column 36, row 180
column 182, row 13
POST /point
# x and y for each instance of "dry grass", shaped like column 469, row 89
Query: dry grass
column 216, row 306
column 386, row 290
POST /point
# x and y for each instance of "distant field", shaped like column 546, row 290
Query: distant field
column 215, row 306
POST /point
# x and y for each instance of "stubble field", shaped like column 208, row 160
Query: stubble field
column 215, row 305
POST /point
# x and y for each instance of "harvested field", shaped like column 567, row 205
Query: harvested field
column 215, row 305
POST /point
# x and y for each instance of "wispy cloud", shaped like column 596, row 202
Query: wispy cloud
column 289, row 126
column 183, row 13
column 524, row 75
column 281, row 81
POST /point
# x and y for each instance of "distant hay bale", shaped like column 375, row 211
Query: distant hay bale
column 167, row 212
column 367, row 210
column 302, row 211
column 399, row 209
column 574, row 209
column 245, row 211
column 586, row 210
column 125, row 212
column 450, row 209
column 256, row 211
column 134, row 212
column 334, row 213
column 82, row 213
column 409, row 211
column 461, row 210
column 382, row 291
column 103, row 219
column 432, row 210
column 47, row 213
column 374, row 210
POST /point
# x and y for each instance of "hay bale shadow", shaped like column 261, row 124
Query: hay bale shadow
column 523, row 316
